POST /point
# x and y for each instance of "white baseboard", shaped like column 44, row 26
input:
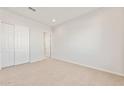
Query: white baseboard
column 40, row 59
column 100, row 69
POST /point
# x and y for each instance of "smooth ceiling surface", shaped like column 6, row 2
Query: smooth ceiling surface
column 46, row 14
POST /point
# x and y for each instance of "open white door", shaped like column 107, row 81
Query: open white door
column 21, row 44
column 7, row 45
column 47, row 44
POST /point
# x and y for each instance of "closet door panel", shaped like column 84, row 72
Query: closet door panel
column 7, row 45
column 21, row 45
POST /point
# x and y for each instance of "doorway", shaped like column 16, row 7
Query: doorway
column 47, row 44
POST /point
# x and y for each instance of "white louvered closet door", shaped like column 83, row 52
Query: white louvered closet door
column 7, row 47
column 21, row 44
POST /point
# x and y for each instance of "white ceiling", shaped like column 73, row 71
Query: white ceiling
column 46, row 14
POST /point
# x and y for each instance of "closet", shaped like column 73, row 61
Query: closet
column 21, row 44
column 7, row 45
column 14, row 44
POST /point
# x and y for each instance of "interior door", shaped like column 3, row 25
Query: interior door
column 21, row 44
column 47, row 45
column 7, row 45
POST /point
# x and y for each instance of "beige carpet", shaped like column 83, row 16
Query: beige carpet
column 54, row 72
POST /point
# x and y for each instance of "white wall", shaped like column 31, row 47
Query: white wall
column 37, row 47
column 0, row 46
column 95, row 39
column 36, row 29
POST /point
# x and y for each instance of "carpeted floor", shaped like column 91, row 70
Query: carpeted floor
column 55, row 72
